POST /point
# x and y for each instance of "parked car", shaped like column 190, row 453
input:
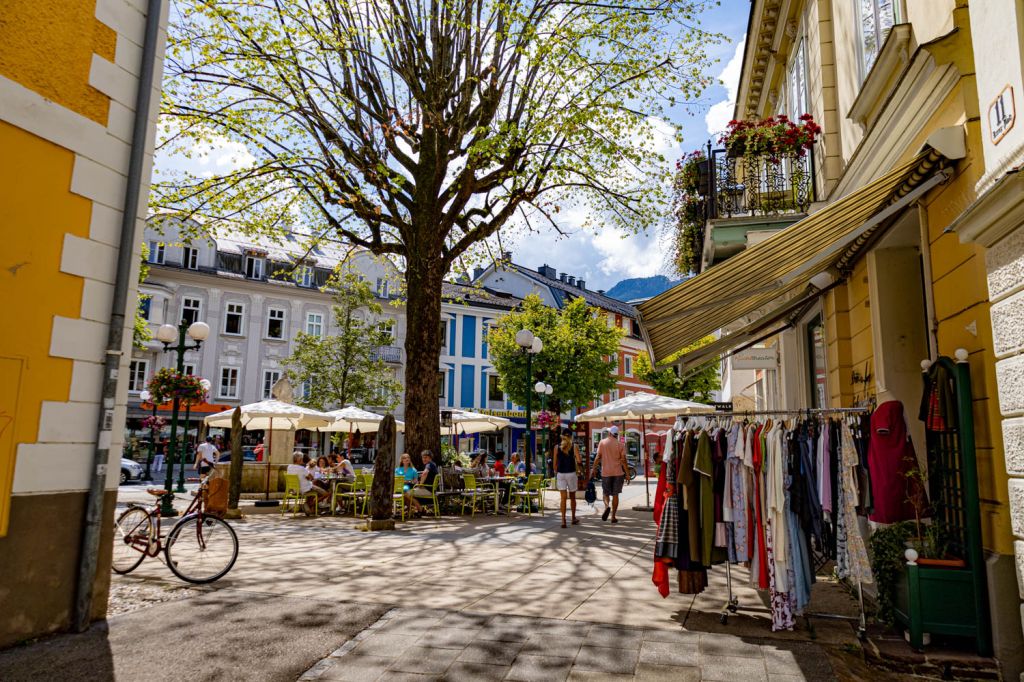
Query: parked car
column 130, row 470
column 362, row 455
column 248, row 455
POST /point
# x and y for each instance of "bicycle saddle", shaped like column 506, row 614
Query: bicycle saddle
column 156, row 493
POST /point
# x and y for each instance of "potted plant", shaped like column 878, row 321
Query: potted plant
column 774, row 137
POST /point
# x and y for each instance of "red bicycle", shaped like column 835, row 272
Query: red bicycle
column 199, row 549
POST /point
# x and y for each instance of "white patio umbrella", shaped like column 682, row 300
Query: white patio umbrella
column 351, row 419
column 465, row 422
column 643, row 406
column 268, row 415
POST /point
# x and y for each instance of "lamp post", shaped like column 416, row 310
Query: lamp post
column 168, row 334
column 145, row 397
column 544, row 390
column 531, row 345
column 205, row 383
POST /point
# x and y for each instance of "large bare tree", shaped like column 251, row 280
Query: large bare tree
column 417, row 129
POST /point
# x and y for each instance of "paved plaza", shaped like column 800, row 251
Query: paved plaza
column 491, row 597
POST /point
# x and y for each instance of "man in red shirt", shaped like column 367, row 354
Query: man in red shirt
column 612, row 458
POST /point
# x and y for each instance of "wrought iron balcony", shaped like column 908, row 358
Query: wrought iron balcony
column 748, row 186
column 392, row 354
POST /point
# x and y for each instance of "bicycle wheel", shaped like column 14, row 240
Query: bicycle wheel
column 201, row 551
column 131, row 539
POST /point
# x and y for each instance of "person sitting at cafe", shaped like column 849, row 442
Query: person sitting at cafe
column 258, row 451
column 499, row 463
column 406, row 470
column 306, row 481
column 320, row 473
column 344, row 468
column 424, row 485
column 479, row 465
column 515, row 467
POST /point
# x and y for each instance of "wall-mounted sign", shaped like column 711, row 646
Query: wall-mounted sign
column 756, row 358
column 1002, row 113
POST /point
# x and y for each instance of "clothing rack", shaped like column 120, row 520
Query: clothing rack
column 732, row 602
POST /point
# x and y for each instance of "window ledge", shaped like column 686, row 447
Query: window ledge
column 892, row 60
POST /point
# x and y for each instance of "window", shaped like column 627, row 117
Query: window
column 137, row 371
column 611, row 320
column 191, row 309
column 144, row 303
column 270, row 377
column 615, row 363
column 190, row 369
column 229, row 382
column 627, row 361
column 440, row 383
column 613, row 395
column 304, row 276
column 190, row 257
column 233, row 316
column 494, row 392
column 382, row 287
column 275, row 323
column 387, row 327
column 877, row 17
column 599, row 401
column 254, row 267
column 444, row 335
column 797, row 87
column 315, row 324
column 306, row 388
column 156, row 252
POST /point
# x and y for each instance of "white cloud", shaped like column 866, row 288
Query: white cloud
column 719, row 115
column 227, row 155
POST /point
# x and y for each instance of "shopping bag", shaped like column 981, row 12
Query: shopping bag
column 591, row 494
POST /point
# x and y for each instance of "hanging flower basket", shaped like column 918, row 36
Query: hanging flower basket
column 774, row 137
column 545, row 419
column 155, row 423
column 168, row 384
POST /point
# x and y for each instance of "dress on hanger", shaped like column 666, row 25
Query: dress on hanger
column 891, row 459
column 858, row 566
column 738, row 496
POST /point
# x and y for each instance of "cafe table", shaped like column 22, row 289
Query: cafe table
column 497, row 482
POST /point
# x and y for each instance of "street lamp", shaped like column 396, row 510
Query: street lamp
column 544, row 390
column 168, row 334
column 531, row 345
column 145, row 397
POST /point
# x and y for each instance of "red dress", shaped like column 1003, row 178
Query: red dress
column 660, row 575
column 891, row 458
column 762, row 548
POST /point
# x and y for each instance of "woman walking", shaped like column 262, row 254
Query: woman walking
column 567, row 462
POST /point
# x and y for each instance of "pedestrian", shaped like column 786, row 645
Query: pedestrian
column 206, row 458
column 258, row 451
column 567, row 462
column 612, row 457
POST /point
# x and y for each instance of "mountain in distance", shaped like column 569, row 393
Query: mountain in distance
column 641, row 287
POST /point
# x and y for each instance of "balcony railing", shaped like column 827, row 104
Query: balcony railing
column 744, row 186
column 392, row 354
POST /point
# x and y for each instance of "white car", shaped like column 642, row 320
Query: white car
column 130, row 470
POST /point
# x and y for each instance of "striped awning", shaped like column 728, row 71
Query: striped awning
column 778, row 268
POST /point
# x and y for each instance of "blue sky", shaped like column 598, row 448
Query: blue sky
column 607, row 257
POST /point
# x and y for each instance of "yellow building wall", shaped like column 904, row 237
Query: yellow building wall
column 47, row 46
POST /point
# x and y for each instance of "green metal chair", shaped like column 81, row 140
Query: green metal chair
column 358, row 492
column 433, row 494
column 472, row 493
column 399, row 496
column 529, row 492
column 298, row 499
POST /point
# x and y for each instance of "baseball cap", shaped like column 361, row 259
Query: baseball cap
column 614, row 430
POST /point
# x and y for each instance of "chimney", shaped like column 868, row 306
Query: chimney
column 582, row 284
column 547, row 271
column 477, row 272
column 563, row 277
column 572, row 281
column 601, row 291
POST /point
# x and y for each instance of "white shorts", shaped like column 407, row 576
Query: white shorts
column 567, row 482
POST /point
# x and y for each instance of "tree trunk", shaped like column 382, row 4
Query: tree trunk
column 424, row 276
column 235, row 472
column 382, row 508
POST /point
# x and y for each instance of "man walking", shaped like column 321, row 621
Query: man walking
column 207, row 455
column 612, row 457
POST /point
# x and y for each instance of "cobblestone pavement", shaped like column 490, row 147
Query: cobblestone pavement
column 424, row 644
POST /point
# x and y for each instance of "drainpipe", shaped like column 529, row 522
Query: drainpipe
column 88, row 556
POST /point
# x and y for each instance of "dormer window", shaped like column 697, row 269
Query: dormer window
column 254, row 267
column 190, row 257
column 304, row 275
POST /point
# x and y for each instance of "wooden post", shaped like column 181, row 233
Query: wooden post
column 382, row 515
column 235, row 472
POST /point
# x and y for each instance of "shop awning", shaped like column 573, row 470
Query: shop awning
column 778, row 318
column 778, row 268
